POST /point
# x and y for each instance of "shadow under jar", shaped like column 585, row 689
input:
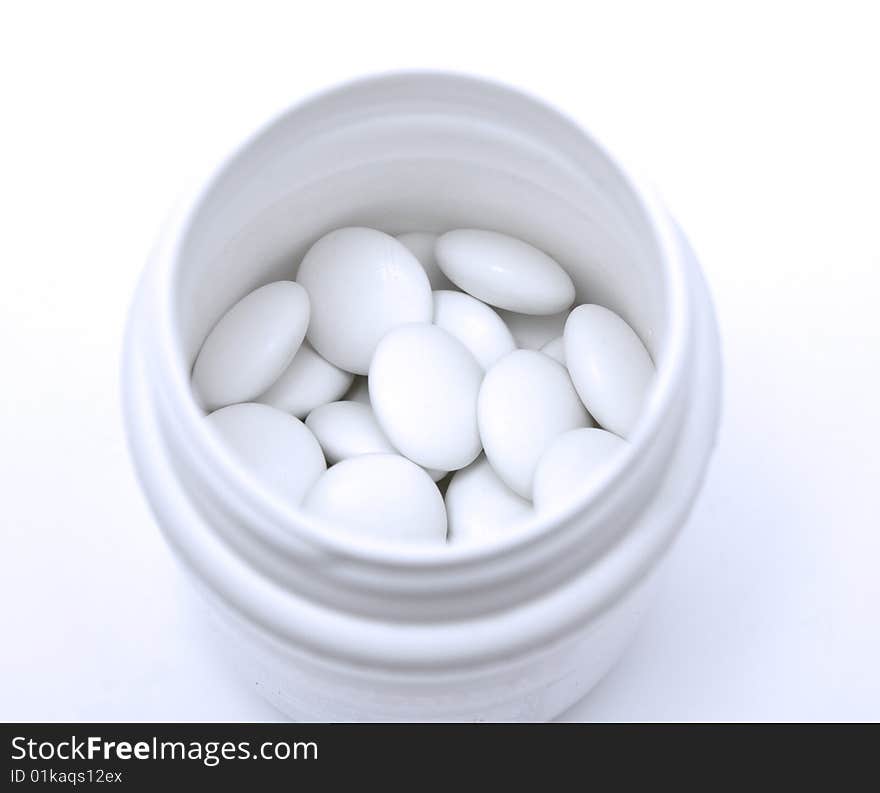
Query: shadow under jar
column 333, row 628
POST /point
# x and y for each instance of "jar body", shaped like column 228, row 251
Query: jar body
column 383, row 663
column 532, row 688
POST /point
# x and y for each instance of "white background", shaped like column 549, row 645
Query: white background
column 760, row 125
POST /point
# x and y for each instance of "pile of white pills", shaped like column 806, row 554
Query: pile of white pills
column 394, row 369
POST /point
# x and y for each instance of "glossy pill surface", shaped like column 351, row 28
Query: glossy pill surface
column 362, row 283
column 274, row 446
column 609, row 366
column 525, row 402
column 360, row 394
column 423, row 388
column 504, row 271
column 380, row 497
column 251, row 345
column 474, row 324
column 347, row 429
column 307, row 382
column 480, row 507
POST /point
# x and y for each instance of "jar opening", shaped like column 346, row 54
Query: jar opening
column 409, row 152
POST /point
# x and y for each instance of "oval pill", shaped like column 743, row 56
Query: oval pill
column 609, row 366
column 423, row 388
column 251, row 345
column 503, row 271
column 276, row 447
column 380, row 496
column 525, row 402
column 362, row 283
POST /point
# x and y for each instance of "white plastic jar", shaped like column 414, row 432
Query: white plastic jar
column 331, row 629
